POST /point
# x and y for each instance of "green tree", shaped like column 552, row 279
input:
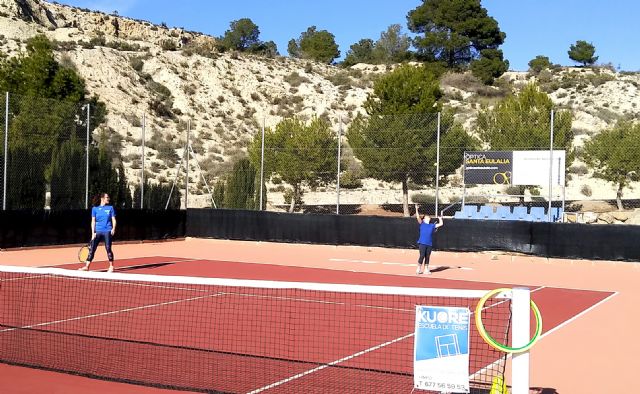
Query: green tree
column 315, row 45
column 392, row 46
column 397, row 141
column 301, row 154
column 26, row 184
column 266, row 49
column 583, row 52
column 538, row 64
column 614, row 155
column 218, row 194
column 123, row 196
column 68, row 176
column 490, row 66
column 453, row 32
column 46, row 101
column 156, row 196
column 103, row 178
column 293, row 49
column 242, row 35
column 360, row 52
column 523, row 122
column 240, row 192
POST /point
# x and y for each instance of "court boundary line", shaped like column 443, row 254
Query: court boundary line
column 49, row 323
column 330, row 364
column 182, row 260
column 583, row 312
column 369, row 350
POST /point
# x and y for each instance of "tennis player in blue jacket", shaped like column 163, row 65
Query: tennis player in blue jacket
column 425, row 241
column 103, row 227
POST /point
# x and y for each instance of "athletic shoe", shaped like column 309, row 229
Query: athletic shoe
column 427, row 271
column 418, row 271
column 110, row 269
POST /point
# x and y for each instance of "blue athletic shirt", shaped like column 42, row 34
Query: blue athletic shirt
column 103, row 215
column 426, row 233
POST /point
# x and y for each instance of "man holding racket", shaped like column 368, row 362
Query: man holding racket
column 103, row 227
column 425, row 241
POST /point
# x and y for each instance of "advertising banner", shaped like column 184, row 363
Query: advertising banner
column 526, row 168
column 441, row 349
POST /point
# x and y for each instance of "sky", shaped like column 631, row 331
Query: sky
column 533, row 27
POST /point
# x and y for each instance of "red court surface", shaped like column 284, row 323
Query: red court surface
column 563, row 306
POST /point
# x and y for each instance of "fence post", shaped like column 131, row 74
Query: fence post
column 338, row 174
column 186, row 186
column 437, row 165
column 262, row 162
column 144, row 121
column 550, row 168
column 86, row 186
column 6, row 152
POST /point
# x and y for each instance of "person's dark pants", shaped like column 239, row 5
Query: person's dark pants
column 425, row 253
column 106, row 236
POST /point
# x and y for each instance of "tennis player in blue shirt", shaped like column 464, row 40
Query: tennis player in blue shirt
column 103, row 227
column 425, row 241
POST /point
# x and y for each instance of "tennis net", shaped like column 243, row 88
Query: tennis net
column 229, row 336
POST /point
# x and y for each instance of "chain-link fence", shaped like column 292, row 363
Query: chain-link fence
column 58, row 155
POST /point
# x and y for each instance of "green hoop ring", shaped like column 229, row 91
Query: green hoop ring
column 497, row 345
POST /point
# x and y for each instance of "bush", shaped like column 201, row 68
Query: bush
column 580, row 169
column 538, row 64
column 294, row 79
column 350, row 180
column 422, row 198
column 136, row 63
column 168, row 45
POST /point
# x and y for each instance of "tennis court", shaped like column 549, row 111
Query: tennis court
column 245, row 338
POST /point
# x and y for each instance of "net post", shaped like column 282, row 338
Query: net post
column 521, row 336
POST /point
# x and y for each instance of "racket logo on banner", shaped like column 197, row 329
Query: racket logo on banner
column 502, row 178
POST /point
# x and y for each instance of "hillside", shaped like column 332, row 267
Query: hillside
column 177, row 81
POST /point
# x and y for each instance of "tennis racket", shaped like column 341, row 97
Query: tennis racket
column 83, row 253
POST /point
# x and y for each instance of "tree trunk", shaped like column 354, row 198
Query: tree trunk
column 294, row 198
column 405, row 197
column 619, row 196
column 292, row 204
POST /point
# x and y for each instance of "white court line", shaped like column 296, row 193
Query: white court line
column 564, row 323
column 143, row 265
column 432, row 267
column 108, row 313
column 313, row 370
column 305, row 373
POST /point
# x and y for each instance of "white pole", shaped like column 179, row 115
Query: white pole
column 550, row 168
column 144, row 120
column 437, row 164
column 86, row 186
column 521, row 321
column 186, row 186
column 6, row 153
column 262, row 164
column 338, row 175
